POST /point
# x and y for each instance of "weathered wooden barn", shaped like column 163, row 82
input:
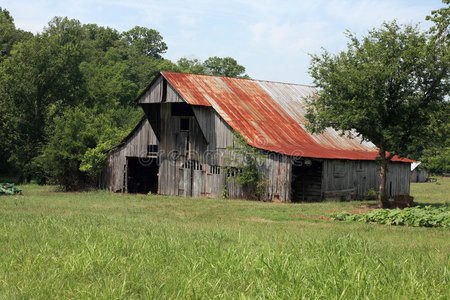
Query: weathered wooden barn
column 418, row 174
column 182, row 145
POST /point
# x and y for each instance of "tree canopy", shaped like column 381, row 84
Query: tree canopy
column 218, row 66
column 227, row 66
column 386, row 85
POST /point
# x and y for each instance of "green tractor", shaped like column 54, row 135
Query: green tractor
column 9, row 189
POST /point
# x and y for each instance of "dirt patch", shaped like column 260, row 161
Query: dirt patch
column 402, row 201
column 311, row 217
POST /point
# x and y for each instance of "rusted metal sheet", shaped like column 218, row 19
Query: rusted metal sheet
column 270, row 115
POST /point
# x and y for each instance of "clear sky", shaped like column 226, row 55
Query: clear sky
column 271, row 39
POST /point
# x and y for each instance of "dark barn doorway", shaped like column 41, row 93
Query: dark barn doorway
column 142, row 175
column 307, row 181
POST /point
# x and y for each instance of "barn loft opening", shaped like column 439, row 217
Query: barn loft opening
column 307, row 181
column 181, row 109
column 142, row 175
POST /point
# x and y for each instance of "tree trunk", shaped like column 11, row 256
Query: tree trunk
column 383, row 200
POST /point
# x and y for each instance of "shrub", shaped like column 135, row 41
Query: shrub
column 419, row 216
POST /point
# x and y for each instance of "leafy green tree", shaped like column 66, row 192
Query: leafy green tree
column 144, row 69
column 212, row 66
column 100, row 38
column 108, row 79
column 436, row 148
column 193, row 66
column 226, row 66
column 441, row 19
column 145, row 41
column 384, row 86
column 437, row 160
column 77, row 145
column 7, row 31
column 9, row 35
column 37, row 80
column 64, row 31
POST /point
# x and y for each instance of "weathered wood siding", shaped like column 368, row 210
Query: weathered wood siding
column 275, row 169
column 364, row 175
column 418, row 175
column 113, row 178
column 160, row 91
column 218, row 134
column 181, row 158
column 154, row 93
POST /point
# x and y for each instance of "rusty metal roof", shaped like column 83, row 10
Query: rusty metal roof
column 269, row 115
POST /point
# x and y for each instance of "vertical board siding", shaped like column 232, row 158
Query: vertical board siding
column 418, row 175
column 176, row 174
column 275, row 169
column 172, row 95
column 363, row 176
column 134, row 146
column 154, row 93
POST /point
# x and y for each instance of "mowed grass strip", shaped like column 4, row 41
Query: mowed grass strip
column 102, row 245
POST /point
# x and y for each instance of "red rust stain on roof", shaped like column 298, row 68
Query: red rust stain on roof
column 268, row 115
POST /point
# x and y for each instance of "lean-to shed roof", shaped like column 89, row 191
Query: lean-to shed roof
column 269, row 115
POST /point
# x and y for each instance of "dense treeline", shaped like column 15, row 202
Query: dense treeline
column 65, row 94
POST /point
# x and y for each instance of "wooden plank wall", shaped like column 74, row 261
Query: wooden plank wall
column 177, row 175
column 154, row 93
column 135, row 146
column 209, row 138
column 363, row 175
column 399, row 174
column 418, row 175
column 276, row 171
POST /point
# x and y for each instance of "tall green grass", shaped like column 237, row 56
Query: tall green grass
column 100, row 245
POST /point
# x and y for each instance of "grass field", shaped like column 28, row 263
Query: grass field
column 101, row 245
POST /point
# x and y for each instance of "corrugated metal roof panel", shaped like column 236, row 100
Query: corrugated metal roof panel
column 292, row 99
column 270, row 115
